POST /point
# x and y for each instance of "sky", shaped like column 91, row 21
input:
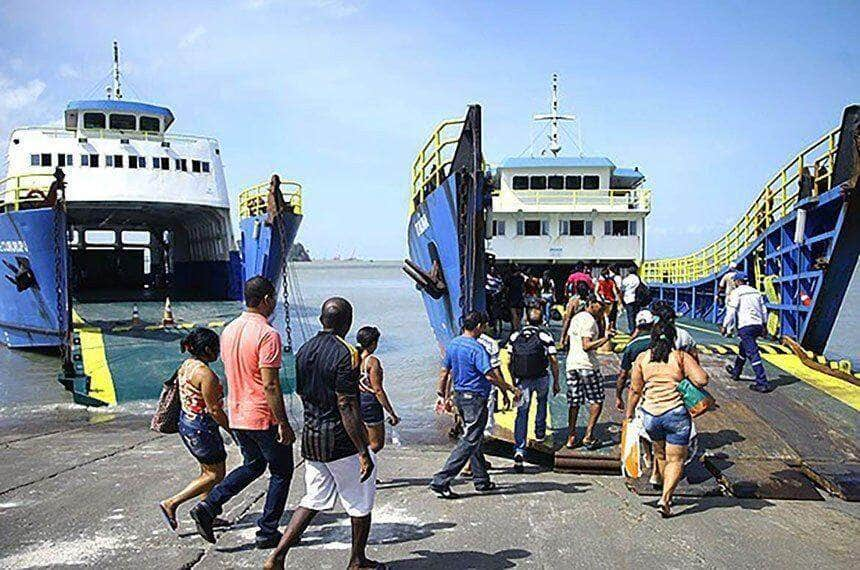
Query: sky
column 708, row 99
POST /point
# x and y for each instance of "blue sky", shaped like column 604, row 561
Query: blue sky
column 708, row 99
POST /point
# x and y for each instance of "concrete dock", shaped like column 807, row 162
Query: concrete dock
column 80, row 489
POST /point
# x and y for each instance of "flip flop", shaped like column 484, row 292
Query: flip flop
column 591, row 444
column 168, row 520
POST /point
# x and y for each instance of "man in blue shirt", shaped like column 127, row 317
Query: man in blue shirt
column 467, row 365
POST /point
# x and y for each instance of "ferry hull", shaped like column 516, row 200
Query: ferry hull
column 35, row 316
column 261, row 244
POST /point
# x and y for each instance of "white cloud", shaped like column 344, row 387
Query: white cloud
column 14, row 96
column 191, row 37
column 68, row 71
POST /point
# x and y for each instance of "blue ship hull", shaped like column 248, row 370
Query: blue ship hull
column 37, row 316
column 260, row 244
column 446, row 238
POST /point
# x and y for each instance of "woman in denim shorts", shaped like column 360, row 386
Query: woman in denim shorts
column 655, row 378
column 201, row 399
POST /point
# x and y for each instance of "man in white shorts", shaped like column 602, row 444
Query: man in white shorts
column 338, row 463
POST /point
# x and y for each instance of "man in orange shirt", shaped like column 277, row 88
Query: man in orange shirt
column 251, row 352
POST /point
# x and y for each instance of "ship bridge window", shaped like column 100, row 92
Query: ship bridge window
column 521, row 182
column 149, row 124
column 537, row 182
column 620, row 227
column 532, row 227
column 122, row 122
column 205, row 166
column 556, row 182
column 94, row 120
column 195, row 166
column 591, row 182
column 575, row 227
column 573, row 182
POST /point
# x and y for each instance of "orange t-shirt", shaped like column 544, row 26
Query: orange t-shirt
column 248, row 344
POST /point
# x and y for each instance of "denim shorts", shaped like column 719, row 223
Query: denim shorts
column 200, row 434
column 673, row 426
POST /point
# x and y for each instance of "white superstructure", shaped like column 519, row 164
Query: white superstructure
column 563, row 209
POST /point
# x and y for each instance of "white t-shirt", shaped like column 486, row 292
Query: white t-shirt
column 684, row 340
column 628, row 287
column 582, row 325
column 727, row 283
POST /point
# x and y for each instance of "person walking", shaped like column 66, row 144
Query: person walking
column 251, row 352
column 609, row 293
column 632, row 302
column 515, row 285
column 468, row 365
column 547, row 295
column 338, row 462
column 639, row 342
column 372, row 397
column 584, row 380
column 578, row 275
column 532, row 352
column 655, row 376
column 746, row 308
column 202, row 412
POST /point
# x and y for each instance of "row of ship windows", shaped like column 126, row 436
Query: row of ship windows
column 566, row 228
column 575, row 182
column 117, row 161
column 122, row 122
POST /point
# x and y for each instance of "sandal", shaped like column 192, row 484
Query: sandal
column 591, row 444
column 168, row 520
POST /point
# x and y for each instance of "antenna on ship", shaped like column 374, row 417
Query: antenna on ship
column 115, row 90
column 554, row 118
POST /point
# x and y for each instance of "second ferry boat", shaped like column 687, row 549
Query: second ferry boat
column 109, row 215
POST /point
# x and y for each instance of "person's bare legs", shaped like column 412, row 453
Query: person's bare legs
column 302, row 517
column 376, row 437
column 360, row 532
column 572, row 415
column 210, row 475
column 658, row 449
column 672, row 472
column 594, row 410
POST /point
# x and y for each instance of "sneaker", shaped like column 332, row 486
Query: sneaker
column 203, row 520
column 265, row 543
column 763, row 388
column 731, row 370
column 518, row 463
column 486, row 488
column 444, row 492
column 540, row 438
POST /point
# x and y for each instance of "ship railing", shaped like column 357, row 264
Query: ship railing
column 23, row 190
column 431, row 164
column 776, row 200
column 60, row 132
column 253, row 200
column 619, row 198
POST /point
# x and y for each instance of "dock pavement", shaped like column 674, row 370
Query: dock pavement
column 80, row 490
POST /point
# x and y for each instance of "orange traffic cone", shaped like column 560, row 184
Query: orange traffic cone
column 135, row 315
column 167, row 319
column 805, row 299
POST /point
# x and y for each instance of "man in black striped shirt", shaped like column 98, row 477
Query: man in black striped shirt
column 334, row 439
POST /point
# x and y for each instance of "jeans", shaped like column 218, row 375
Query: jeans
column 749, row 351
column 469, row 448
column 631, row 309
column 547, row 308
column 531, row 387
column 259, row 449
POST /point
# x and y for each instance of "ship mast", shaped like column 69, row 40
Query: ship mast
column 554, row 118
column 116, row 90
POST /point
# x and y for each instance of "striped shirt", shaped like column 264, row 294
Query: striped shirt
column 326, row 366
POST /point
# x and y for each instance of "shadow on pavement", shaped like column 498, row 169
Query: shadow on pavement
column 465, row 559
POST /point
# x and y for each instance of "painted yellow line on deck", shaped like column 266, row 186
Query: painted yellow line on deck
column 719, row 348
column 95, row 362
column 845, row 392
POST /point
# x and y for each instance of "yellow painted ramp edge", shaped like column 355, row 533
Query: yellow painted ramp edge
column 95, row 361
column 844, row 391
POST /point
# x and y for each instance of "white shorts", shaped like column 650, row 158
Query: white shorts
column 325, row 482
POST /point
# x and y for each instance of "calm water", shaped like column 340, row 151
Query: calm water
column 382, row 296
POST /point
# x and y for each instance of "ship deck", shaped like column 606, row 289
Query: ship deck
column 794, row 443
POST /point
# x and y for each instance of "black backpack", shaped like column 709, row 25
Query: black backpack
column 643, row 294
column 528, row 355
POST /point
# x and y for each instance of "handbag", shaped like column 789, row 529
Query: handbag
column 696, row 400
column 166, row 417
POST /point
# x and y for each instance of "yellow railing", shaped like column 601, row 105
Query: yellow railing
column 635, row 199
column 21, row 189
column 776, row 200
column 429, row 167
column 252, row 201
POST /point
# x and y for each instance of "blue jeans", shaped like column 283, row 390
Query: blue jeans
column 547, row 308
column 630, row 309
column 531, row 387
column 259, row 449
column 673, row 427
column 469, row 448
column 748, row 350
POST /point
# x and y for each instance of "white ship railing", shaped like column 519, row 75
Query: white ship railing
column 59, row 132
column 638, row 199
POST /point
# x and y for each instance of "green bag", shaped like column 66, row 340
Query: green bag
column 696, row 400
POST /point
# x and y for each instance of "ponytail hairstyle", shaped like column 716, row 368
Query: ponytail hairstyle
column 366, row 337
column 201, row 343
column 662, row 341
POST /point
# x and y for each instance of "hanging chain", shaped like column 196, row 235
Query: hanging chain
column 288, row 330
column 60, row 276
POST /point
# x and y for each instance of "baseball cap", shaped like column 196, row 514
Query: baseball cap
column 740, row 276
column 644, row 317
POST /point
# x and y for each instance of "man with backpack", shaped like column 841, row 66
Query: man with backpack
column 635, row 295
column 532, row 352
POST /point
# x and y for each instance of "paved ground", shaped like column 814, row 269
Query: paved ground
column 76, row 494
